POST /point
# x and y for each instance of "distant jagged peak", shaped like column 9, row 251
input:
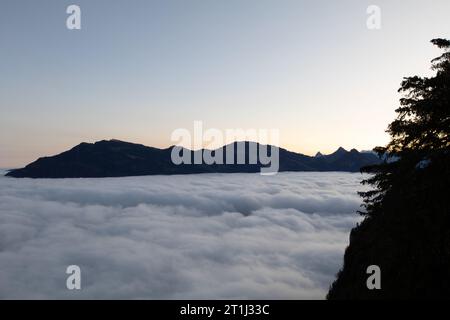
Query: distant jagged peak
column 340, row 150
column 319, row 155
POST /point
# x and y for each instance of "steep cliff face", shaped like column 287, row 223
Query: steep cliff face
column 408, row 237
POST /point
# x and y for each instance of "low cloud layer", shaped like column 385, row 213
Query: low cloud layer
column 204, row 236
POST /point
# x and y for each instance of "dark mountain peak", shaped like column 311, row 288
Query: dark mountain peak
column 82, row 145
column 319, row 155
column 246, row 142
column 114, row 142
column 339, row 151
column 103, row 143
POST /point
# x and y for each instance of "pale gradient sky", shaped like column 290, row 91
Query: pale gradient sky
column 140, row 69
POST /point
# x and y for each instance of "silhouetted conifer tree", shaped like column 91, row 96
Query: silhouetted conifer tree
column 406, row 230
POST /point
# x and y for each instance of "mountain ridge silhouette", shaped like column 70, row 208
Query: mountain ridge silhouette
column 115, row 158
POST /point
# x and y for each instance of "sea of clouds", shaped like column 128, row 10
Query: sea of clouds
column 207, row 236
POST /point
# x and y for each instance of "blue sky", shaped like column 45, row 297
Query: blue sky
column 137, row 70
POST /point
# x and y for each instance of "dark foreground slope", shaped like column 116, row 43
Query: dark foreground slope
column 408, row 237
column 117, row 159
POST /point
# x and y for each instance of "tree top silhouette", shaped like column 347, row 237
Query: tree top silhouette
column 419, row 134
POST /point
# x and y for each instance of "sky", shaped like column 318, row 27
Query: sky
column 138, row 70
